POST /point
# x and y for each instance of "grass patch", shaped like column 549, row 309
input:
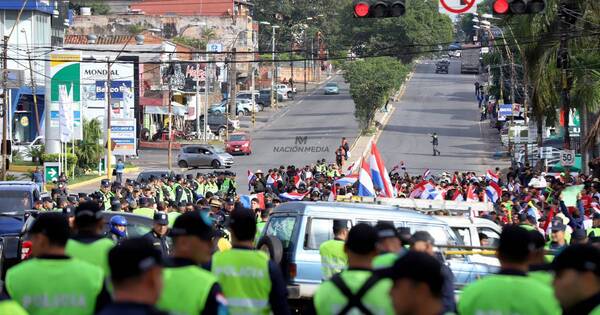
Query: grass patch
column 82, row 178
column 25, row 163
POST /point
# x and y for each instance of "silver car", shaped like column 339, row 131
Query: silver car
column 203, row 155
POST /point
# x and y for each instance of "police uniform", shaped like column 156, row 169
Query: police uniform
column 251, row 282
column 333, row 257
column 56, row 284
column 106, row 195
column 355, row 288
column 8, row 306
column 189, row 289
column 144, row 210
column 130, row 261
column 594, row 231
column 159, row 242
column 91, row 248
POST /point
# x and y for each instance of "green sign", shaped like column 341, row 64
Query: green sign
column 51, row 171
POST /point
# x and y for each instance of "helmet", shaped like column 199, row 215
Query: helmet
column 118, row 220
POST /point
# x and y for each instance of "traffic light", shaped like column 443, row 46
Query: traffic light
column 517, row 7
column 379, row 8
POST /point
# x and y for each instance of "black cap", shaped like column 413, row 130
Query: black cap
column 581, row 257
column 82, row 195
column 115, row 206
column 131, row 258
column 46, row 199
column 340, row 224
column 422, row 236
column 190, row 176
column 579, row 235
column 178, row 177
column 558, row 225
column 69, row 212
column 53, row 225
column 385, row 230
column 88, row 209
column 105, row 183
column 242, row 222
column 418, row 267
column 193, row 224
column 161, row 218
column 596, row 216
column 229, row 200
column 361, row 239
column 515, row 244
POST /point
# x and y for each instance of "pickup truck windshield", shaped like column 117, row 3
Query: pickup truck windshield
column 15, row 201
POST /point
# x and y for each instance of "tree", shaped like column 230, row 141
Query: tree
column 88, row 150
column 98, row 7
column 372, row 83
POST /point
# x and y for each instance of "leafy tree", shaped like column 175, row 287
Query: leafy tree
column 372, row 83
column 189, row 41
column 88, row 150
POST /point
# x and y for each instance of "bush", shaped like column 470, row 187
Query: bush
column 54, row 157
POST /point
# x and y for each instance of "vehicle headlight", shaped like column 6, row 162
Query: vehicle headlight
column 245, row 145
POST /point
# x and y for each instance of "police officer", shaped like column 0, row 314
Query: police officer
column 47, row 204
column 389, row 246
column 422, row 241
column 577, row 279
column 333, row 257
column 52, row 282
column 69, row 213
column 200, row 185
column 180, row 195
column 594, row 231
column 88, row 243
column 118, row 228
column 106, row 193
column 145, row 208
column 251, row 282
column 158, row 235
column 510, row 291
column 538, row 268
column 8, row 306
column 262, row 221
column 417, row 287
column 192, row 234
column 356, row 288
column 136, row 275
column 558, row 239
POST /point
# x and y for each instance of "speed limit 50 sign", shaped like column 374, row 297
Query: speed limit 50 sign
column 567, row 157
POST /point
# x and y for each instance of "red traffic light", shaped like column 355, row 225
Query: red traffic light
column 501, row 7
column 361, row 9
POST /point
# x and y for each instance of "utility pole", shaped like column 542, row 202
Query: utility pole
column 564, row 61
column 4, row 107
column 252, row 87
column 292, row 62
column 232, row 79
column 305, row 59
column 206, row 87
column 273, row 72
column 198, row 98
column 108, row 165
column 169, row 77
column 35, row 103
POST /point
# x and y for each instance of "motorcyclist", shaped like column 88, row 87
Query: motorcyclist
column 118, row 228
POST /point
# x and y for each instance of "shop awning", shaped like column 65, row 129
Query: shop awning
column 178, row 109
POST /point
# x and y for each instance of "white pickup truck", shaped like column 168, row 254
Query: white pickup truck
column 286, row 91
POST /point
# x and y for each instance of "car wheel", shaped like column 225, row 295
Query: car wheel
column 215, row 164
column 145, row 134
column 249, row 153
column 246, row 112
column 290, row 95
column 239, row 113
column 182, row 164
column 272, row 246
column 221, row 131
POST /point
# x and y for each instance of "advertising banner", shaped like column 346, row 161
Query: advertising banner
column 122, row 134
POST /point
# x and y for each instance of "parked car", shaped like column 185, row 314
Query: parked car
column 217, row 123
column 243, row 107
column 295, row 231
column 246, row 95
column 239, row 142
column 203, row 155
column 331, row 88
column 286, row 92
column 17, row 198
column 265, row 97
column 442, row 66
column 145, row 175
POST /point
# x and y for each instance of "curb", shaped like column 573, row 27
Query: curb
column 95, row 179
column 386, row 116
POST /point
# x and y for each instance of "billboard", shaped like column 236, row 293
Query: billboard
column 93, row 90
column 122, row 134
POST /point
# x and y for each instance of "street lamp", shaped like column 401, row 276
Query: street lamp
column 274, row 71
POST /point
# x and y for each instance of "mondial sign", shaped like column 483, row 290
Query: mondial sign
column 63, row 69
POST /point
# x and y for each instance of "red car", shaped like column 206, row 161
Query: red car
column 239, row 142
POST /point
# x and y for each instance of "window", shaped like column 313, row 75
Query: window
column 15, row 200
column 464, row 234
column 493, row 238
column 439, row 233
column 282, row 228
column 318, row 231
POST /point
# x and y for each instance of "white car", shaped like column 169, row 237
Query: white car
column 244, row 106
column 285, row 91
column 23, row 148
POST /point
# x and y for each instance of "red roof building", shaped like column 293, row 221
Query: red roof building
column 189, row 7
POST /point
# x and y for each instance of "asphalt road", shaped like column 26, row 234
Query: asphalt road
column 305, row 130
column 445, row 104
